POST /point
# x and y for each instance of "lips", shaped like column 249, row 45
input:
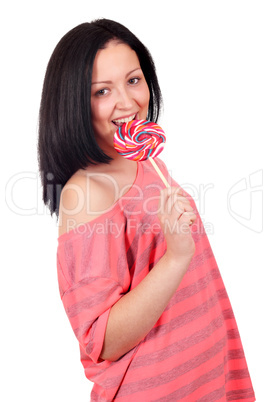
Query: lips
column 120, row 122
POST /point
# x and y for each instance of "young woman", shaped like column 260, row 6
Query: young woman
column 137, row 276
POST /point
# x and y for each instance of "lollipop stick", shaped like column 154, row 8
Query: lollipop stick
column 164, row 180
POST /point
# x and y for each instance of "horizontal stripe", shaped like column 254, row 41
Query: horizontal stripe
column 82, row 329
column 228, row 314
column 157, row 357
column 194, row 288
column 201, row 258
column 213, row 396
column 193, row 386
column 234, row 395
column 184, row 319
column 233, row 333
column 235, row 354
column 97, row 398
column 165, row 378
column 88, row 303
column 237, row 374
column 180, row 346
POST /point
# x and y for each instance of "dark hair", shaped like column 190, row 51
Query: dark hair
column 66, row 140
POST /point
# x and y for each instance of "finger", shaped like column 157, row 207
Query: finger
column 177, row 198
column 181, row 192
column 183, row 225
column 182, row 205
column 175, row 207
column 167, row 198
column 173, row 203
column 187, row 218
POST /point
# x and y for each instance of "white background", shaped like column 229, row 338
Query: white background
column 211, row 59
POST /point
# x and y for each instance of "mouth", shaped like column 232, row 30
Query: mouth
column 120, row 122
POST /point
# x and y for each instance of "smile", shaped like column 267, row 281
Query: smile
column 119, row 122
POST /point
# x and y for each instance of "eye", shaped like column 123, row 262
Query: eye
column 102, row 92
column 134, row 81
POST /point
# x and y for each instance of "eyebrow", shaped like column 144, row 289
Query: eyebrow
column 110, row 82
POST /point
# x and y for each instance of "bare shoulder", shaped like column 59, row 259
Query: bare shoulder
column 86, row 195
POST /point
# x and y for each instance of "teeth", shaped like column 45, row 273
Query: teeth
column 126, row 120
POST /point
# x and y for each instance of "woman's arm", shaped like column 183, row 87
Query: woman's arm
column 135, row 314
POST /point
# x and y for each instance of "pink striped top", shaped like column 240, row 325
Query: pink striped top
column 194, row 351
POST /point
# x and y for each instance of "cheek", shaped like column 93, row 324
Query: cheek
column 146, row 97
column 98, row 112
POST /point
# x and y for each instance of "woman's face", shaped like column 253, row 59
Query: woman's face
column 119, row 92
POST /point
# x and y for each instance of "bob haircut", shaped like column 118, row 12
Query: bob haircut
column 66, row 141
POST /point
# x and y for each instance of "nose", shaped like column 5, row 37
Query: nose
column 124, row 99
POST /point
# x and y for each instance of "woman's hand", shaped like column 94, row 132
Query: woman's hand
column 176, row 216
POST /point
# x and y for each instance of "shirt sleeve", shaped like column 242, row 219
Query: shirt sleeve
column 93, row 275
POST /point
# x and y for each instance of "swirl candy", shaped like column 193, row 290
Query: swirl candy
column 139, row 140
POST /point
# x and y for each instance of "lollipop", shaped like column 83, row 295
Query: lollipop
column 139, row 140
